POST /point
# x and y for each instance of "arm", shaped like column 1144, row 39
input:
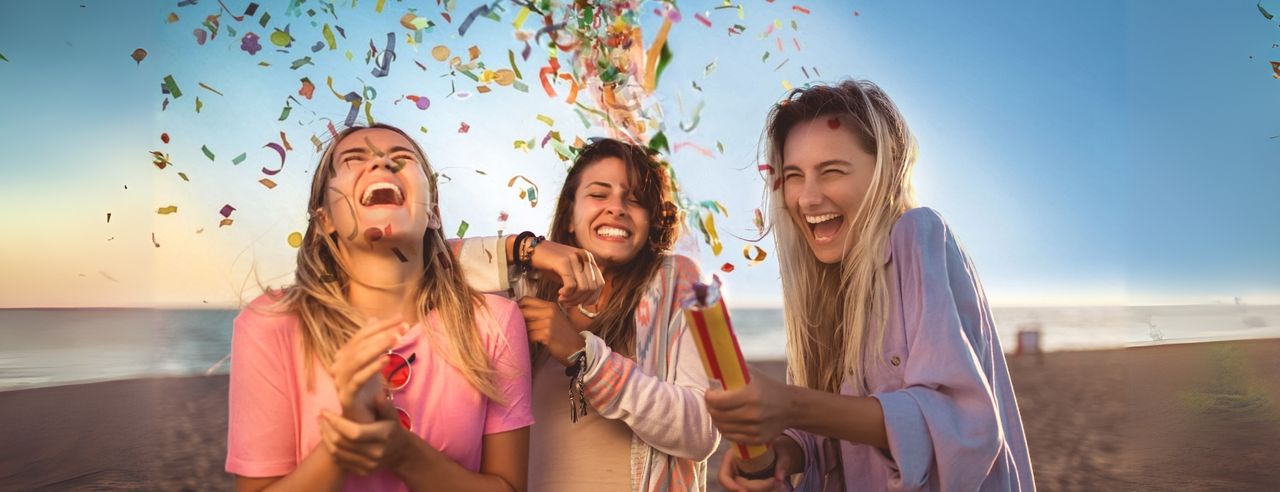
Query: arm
column 486, row 264
column 945, row 420
column 260, row 435
column 669, row 416
column 503, row 468
column 318, row 471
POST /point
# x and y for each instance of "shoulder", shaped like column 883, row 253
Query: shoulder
column 916, row 232
column 496, row 314
column 268, row 313
column 685, row 267
column 917, row 222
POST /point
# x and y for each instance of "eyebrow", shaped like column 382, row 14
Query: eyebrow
column 824, row 164
column 365, row 150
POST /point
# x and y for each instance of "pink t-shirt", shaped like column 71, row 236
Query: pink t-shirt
column 273, row 422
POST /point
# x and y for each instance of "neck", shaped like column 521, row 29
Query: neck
column 382, row 286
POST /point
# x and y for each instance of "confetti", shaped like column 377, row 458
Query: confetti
column 753, row 254
column 1264, row 11
column 250, row 43
column 462, row 229
column 171, row 209
column 108, row 217
column 295, row 239
column 184, row 176
column 210, row 89
column 282, row 38
column 153, row 240
column 226, row 210
column 268, row 183
column 164, row 137
column 399, row 255
column 171, row 87
column 280, row 150
column 225, row 222
column 800, row 9
column 530, row 193
column 207, row 153
column 440, row 53
column 464, row 128
column 727, row 268
column 138, row 55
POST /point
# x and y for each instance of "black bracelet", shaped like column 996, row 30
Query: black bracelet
column 762, row 474
column 515, row 249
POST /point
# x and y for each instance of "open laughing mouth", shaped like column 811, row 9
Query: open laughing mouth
column 824, row 227
column 613, row 233
column 382, row 193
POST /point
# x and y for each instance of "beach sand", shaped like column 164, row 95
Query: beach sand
column 1172, row 417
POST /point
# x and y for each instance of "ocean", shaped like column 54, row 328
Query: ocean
column 49, row 347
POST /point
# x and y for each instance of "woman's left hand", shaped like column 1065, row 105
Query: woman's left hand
column 753, row 414
column 363, row 448
column 548, row 325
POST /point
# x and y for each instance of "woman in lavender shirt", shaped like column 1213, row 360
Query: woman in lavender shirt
column 897, row 378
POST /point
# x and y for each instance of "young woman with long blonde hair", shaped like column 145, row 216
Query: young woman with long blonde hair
column 617, row 381
column 378, row 329
column 898, row 380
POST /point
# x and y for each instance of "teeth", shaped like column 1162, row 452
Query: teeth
column 818, row 219
column 608, row 231
column 368, row 192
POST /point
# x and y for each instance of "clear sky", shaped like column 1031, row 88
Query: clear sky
column 1094, row 152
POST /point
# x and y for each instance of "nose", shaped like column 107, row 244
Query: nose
column 810, row 194
column 383, row 162
column 616, row 207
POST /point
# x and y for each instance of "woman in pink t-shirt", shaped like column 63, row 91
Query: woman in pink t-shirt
column 441, row 381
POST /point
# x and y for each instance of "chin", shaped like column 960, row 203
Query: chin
column 827, row 255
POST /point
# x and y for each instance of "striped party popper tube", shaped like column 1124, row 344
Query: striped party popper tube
column 721, row 357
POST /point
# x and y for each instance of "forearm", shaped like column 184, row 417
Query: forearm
column 857, row 419
column 669, row 417
column 426, row 468
column 318, row 471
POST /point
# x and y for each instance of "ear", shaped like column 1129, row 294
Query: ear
column 433, row 221
column 326, row 225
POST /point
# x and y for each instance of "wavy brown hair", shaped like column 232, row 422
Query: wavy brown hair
column 835, row 314
column 319, row 293
column 651, row 184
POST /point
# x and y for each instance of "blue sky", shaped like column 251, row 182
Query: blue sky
column 1093, row 152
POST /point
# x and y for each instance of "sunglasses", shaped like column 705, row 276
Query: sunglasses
column 397, row 372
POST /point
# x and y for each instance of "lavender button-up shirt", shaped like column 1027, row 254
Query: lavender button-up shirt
column 949, row 408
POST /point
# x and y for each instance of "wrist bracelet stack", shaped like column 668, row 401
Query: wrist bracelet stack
column 577, row 396
column 518, row 249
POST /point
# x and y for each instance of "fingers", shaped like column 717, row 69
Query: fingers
column 728, row 471
column 360, row 433
column 596, row 277
column 375, row 326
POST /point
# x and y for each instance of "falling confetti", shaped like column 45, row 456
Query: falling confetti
column 295, row 239
column 139, row 55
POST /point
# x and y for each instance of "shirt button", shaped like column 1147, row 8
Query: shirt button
column 895, row 360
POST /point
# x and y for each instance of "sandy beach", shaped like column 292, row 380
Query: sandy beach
column 1185, row 417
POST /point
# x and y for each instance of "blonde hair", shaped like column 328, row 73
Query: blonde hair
column 319, row 293
column 830, row 336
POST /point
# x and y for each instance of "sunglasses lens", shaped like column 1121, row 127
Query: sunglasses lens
column 396, row 371
column 404, row 419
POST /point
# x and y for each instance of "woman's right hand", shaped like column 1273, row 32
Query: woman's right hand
column 731, row 480
column 358, row 365
column 580, row 277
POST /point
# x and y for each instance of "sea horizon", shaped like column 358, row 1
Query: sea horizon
column 53, row 346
